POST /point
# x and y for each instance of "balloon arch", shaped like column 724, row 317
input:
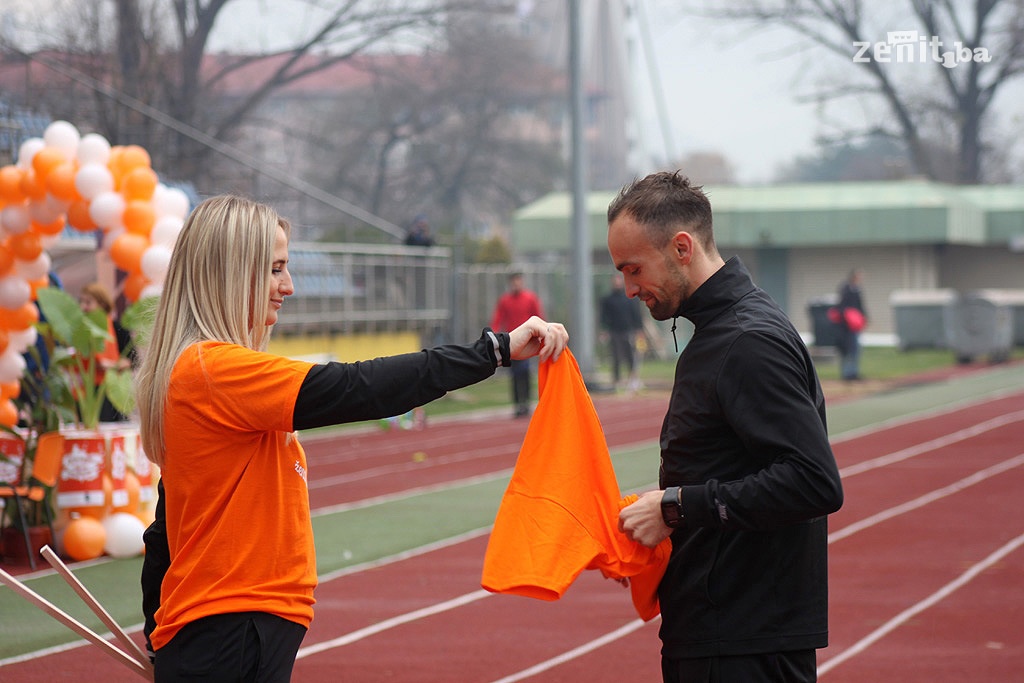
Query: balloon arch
column 67, row 179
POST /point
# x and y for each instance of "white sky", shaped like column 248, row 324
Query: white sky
column 725, row 89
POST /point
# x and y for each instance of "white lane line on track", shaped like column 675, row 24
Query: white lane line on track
column 926, row 414
column 931, row 497
column 909, row 613
column 575, row 652
column 401, row 619
column 933, row 444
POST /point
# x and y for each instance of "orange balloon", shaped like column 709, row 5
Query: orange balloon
column 36, row 285
column 115, row 164
column 47, row 159
column 126, row 251
column 19, row 318
column 54, row 228
column 84, row 538
column 8, row 413
column 6, row 257
column 134, row 284
column 5, row 339
column 10, row 389
column 10, row 184
column 134, row 157
column 139, row 183
column 60, row 181
column 27, row 246
column 32, row 186
column 79, row 218
column 139, row 217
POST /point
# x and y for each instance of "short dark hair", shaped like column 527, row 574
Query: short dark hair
column 665, row 202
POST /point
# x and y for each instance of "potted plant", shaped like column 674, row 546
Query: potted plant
column 61, row 390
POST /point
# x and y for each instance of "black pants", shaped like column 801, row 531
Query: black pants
column 243, row 647
column 521, row 384
column 773, row 667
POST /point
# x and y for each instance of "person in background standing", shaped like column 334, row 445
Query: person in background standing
column 747, row 477
column 852, row 319
column 418, row 234
column 93, row 296
column 514, row 307
column 620, row 318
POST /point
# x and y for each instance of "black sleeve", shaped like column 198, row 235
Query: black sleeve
column 336, row 393
column 154, row 564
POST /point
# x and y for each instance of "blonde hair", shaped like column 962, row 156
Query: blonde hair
column 215, row 289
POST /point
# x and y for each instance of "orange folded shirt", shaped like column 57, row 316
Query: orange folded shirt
column 559, row 515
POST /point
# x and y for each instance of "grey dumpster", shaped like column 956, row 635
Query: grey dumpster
column 981, row 326
column 1014, row 299
column 922, row 317
column 824, row 330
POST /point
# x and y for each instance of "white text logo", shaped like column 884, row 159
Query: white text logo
column 910, row 47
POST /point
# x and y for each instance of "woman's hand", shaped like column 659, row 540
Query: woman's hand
column 539, row 338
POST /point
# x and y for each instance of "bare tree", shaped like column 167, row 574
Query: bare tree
column 971, row 49
column 123, row 52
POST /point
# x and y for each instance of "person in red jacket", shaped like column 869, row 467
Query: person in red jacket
column 513, row 308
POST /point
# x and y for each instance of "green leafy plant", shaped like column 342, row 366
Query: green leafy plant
column 69, row 383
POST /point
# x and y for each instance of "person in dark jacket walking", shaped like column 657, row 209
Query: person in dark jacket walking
column 747, row 476
column 620, row 318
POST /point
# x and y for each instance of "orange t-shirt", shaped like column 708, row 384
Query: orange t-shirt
column 559, row 514
column 238, row 522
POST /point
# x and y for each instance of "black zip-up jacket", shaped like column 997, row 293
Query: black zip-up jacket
column 745, row 438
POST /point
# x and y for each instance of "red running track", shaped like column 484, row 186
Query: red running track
column 925, row 556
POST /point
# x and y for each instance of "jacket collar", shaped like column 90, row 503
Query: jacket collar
column 725, row 287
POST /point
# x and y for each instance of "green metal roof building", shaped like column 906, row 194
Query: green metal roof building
column 801, row 240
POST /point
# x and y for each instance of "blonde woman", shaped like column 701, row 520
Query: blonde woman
column 218, row 414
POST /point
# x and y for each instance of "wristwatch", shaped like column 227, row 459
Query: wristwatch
column 672, row 507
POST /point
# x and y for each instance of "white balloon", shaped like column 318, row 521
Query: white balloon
column 15, row 291
column 14, row 219
column 35, row 269
column 106, row 209
column 152, row 289
column 170, row 201
column 155, row 261
column 12, row 364
column 63, row 136
column 93, row 149
column 165, row 230
column 28, row 150
column 124, row 535
column 22, row 339
column 93, row 179
column 45, row 212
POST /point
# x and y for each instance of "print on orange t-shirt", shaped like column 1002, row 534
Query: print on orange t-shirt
column 559, row 515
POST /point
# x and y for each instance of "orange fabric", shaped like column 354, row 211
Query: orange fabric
column 559, row 514
column 238, row 523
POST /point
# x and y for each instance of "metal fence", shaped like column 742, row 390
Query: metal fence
column 349, row 289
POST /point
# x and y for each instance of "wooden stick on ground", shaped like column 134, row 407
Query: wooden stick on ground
column 95, row 606
column 76, row 626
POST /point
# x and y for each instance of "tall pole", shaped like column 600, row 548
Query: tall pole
column 582, row 332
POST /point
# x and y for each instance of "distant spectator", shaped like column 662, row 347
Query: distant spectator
column 419, row 233
column 620, row 319
column 853, row 317
column 515, row 306
column 95, row 296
